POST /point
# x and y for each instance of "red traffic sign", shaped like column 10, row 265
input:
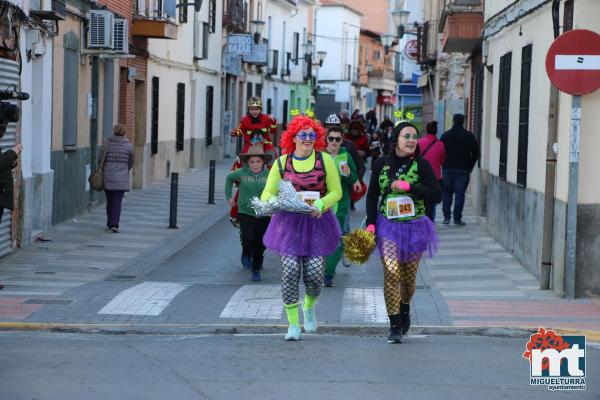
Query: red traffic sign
column 573, row 62
column 411, row 50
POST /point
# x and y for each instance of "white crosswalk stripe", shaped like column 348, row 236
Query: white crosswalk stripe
column 362, row 305
column 255, row 302
column 148, row 298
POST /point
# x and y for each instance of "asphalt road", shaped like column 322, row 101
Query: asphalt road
column 58, row 366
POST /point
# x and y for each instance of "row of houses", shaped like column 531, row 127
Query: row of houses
column 487, row 59
column 168, row 70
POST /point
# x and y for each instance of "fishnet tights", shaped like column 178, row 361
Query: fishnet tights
column 400, row 278
column 313, row 270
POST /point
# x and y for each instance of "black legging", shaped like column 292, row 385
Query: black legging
column 252, row 230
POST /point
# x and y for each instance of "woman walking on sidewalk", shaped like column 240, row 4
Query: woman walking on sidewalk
column 348, row 177
column 118, row 156
column 303, row 240
column 400, row 185
column 252, row 178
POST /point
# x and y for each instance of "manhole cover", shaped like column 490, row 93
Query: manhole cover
column 59, row 302
column 121, row 278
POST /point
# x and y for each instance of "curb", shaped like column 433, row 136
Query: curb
column 232, row 329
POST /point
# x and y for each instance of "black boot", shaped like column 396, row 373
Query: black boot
column 395, row 335
column 405, row 317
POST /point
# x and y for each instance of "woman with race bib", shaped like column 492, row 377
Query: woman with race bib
column 303, row 240
column 401, row 183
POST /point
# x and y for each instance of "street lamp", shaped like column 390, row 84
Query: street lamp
column 400, row 18
column 258, row 27
column 387, row 41
column 321, row 56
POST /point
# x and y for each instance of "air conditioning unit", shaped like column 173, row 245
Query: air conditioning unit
column 120, row 36
column 100, row 34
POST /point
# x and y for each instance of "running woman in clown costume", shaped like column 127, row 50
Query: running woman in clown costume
column 303, row 240
column 401, row 183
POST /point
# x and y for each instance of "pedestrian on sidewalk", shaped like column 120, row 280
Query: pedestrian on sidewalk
column 8, row 161
column 432, row 150
column 400, row 185
column 462, row 153
column 251, row 178
column 118, row 156
column 348, row 177
column 304, row 240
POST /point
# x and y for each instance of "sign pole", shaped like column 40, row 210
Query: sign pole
column 572, row 204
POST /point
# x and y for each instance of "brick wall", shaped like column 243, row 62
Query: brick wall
column 139, row 48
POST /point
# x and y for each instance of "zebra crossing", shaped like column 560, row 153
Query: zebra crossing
column 249, row 302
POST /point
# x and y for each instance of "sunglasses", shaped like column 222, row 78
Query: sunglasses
column 307, row 136
column 334, row 139
column 410, row 137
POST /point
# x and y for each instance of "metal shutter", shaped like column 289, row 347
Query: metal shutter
column 9, row 75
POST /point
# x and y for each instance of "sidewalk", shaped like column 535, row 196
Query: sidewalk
column 82, row 250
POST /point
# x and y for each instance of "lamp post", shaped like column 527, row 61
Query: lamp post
column 400, row 18
column 387, row 41
column 309, row 49
column 258, row 27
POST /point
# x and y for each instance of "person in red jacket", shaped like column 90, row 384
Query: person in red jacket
column 434, row 151
column 256, row 128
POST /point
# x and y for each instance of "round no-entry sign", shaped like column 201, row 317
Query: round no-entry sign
column 573, row 62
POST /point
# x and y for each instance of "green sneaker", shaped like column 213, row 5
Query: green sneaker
column 310, row 321
column 293, row 333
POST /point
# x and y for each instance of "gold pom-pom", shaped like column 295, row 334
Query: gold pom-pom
column 358, row 246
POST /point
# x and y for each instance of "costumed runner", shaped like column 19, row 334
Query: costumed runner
column 303, row 240
column 251, row 178
column 254, row 128
column 400, row 185
column 348, row 177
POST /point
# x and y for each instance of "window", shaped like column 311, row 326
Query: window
column 183, row 11
column 212, row 15
column 296, row 47
column 248, row 90
column 258, row 90
column 209, row 115
column 205, row 31
column 70, row 89
column 274, row 62
column 524, row 116
column 180, row 117
column 269, row 106
column 154, row 120
column 478, row 106
column 503, row 109
column 285, row 114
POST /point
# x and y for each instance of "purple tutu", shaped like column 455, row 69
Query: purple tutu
column 416, row 236
column 296, row 234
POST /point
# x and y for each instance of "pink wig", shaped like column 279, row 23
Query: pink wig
column 300, row 123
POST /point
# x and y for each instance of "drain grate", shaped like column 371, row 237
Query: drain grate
column 95, row 245
column 121, row 278
column 58, row 302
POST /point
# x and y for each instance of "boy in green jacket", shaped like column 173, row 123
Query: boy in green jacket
column 252, row 178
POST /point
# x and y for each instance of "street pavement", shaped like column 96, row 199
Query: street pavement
column 150, row 276
column 58, row 366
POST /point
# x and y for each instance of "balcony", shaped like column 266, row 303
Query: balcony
column 382, row 79
column 154, row 28
column 235, row 16
column 460, row 25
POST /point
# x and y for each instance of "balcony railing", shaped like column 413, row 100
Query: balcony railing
column 382, row 74
column 461, row 23
column 235, row 17
column 155, row 19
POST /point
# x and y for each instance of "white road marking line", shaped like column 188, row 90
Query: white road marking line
column 255, row 302
column 148, row 298
column 364, row 305
column 583, row 62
